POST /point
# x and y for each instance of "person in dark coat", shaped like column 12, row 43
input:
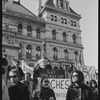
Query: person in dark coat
column 17, row 90
column 94, row 87
column 78, row 90
column 43, row 92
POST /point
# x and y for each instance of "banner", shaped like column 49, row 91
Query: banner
column 26, row 68
column 60, row 87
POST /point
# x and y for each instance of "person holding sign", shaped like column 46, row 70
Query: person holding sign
column 78, row 90
column 43, row 92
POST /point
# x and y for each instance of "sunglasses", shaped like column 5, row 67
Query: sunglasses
column 14, row 76
column 75, row 75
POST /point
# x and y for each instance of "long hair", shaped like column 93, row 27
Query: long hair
column 80, row 75
column 93, row 81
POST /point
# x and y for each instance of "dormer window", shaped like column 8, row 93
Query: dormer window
column 63, row 20
column 73, row 23
column 53, row 18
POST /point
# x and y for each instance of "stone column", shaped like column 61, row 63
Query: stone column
column 33, row 33
column 24, row 50
column 24, row 31
column 33, row 52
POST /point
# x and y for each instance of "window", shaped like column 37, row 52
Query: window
column 63, row 21
column 66, row 54
column 29, row 31
column 38, row 33
column 74, row 38
column 54, row 34
column 20, row 50
column 20, row 29
column 53, row 18
column 73, row 23
column 76, row 56
column 28, row 51
column 64, row 36
column 55, row 53
column 38, row 52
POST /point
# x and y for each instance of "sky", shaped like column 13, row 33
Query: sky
column 88, row 25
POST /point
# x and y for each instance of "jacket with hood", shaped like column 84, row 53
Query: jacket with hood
column 73, row 94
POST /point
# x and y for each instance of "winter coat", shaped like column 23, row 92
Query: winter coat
column 44, row 94
column 86, row 93
column 95, row 93
column 19, row 92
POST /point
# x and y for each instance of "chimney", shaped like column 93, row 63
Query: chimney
column 38, row 6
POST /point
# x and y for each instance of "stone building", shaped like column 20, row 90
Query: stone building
column 55, row 23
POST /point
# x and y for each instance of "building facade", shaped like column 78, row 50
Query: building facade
column 56, row 24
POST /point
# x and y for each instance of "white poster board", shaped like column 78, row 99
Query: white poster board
column 60, row 87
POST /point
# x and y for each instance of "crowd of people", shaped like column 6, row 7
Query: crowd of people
column 21, row 87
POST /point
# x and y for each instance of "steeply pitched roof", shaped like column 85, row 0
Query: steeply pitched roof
column 16, row 7
column 72, row 11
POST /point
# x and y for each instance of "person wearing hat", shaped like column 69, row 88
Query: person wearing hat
column 78, row 90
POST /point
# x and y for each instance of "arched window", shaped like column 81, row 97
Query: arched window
column 20, row 50
column 38, row 33
column 74, row 38
column 28, row 51
column 38, row 52
column 54, row 34
column 76, row 55
column 20, row 29
column 29, row 31
column 66, row 54
column 55, row 55
column 64, row 36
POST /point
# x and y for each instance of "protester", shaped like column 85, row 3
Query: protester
column 17, row 90
column 28, row 82
column 5, row 95
column 17, row 66
column 78, row 90
column 94, row 88
column 43, row 92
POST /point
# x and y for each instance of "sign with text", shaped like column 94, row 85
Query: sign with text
column 53, row 73
column 60, row 87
